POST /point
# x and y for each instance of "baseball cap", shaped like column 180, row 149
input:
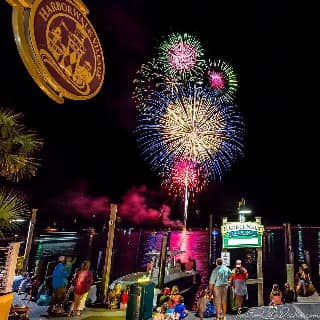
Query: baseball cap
column 238, row 263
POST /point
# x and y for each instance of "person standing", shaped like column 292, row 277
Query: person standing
column 202, row 303
column 82, row 286
column 218, row 286
column 239, row 277
column 69, row 263
column 59, row 283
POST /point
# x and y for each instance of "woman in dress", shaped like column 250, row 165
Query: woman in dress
column 82, row 286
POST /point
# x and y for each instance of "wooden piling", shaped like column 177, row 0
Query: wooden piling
column 109, row 248
column 29, row 239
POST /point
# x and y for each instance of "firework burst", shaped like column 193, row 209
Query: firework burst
column 183, row 174
column 222, row 79
column 181, row 56
column 191, row 125
column 150, row 77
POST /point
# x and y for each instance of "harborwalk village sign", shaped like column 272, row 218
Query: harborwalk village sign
column 242, row 234
column 59, row 47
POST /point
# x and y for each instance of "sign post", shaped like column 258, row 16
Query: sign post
column 244, row 234
column 225, row 256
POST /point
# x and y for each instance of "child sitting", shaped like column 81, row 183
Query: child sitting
column 162, row 312
column 275, row 295
column 180, row 310
column 288, row 295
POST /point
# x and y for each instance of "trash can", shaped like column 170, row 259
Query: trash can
column 140, row 302
column 5, row 305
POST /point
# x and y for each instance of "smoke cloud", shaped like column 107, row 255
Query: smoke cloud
column 77, row 201
column 134, row 207
column 139, row 206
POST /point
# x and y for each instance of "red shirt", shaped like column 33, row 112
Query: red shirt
column 241, row 276
column 83, row 282
column 124, row 297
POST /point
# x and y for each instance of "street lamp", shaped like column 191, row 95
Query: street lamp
column 243, row 210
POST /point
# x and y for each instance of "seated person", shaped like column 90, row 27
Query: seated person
column 303, row 280
column 112, row 301
column 275, row 295
column 162, row 313
column 165, row 296
column 180, row 309
column 309, row 285
column 178, row 266
column 149, row 267
column 190, row 265
column 174, row 297
column 288, row 295
column 124, row 299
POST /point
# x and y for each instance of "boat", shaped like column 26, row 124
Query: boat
column 188, row 282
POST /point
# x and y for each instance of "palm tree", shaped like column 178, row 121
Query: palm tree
column 12, row 209
column 18, row 147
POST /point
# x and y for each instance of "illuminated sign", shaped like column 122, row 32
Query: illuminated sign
column 242, row 234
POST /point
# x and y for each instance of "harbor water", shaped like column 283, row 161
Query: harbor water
column 131, row 248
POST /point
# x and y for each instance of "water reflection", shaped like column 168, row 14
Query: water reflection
column 131, row 248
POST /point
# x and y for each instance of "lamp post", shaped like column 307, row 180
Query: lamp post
column 242, row 213
column 243, row 210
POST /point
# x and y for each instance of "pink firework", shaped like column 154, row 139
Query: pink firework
column 185, row 175
column 217, row 80
column 182, row 56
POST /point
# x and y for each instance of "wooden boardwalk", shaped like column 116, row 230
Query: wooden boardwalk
column 305, row 308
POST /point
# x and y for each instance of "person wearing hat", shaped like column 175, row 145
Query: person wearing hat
column 238, row 280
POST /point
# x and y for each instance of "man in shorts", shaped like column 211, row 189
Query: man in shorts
column 218, row 286
column 59, row 282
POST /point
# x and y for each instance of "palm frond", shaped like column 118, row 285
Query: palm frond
column 12, row 208
column 18, row 147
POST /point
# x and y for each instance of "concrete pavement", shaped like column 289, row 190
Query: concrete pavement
column 304, row 309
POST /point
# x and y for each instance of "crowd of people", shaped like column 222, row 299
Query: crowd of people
column 73, row 288
column 117, row 298
column 223, row 277
column 68, row 290
column 303, row 287
column 65, row 291
column 170, row 305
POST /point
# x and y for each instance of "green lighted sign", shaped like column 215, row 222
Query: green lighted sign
column 242, row 235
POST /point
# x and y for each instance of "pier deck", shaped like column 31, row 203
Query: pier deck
column 305, row 308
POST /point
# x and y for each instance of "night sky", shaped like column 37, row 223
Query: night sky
column 90, row 148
